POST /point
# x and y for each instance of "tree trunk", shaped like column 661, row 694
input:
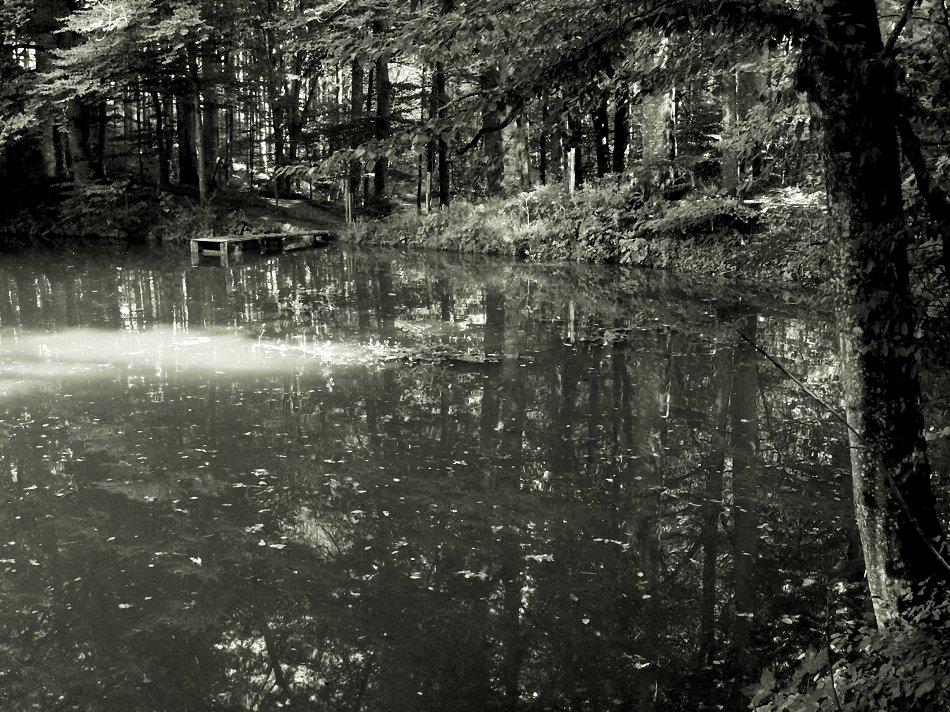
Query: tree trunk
column 621, row 132
column 601, row 121
column 543, row 144
column 752, row 90
column 729, row 161
column 659, row 127
column 442, row 145
column 492, row 142
column 575, row 144
column 187, row 158
column 891, row 473
column 356, row 122
column 383, row 126
column 77, row 134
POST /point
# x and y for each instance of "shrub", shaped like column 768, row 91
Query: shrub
column 901, row 668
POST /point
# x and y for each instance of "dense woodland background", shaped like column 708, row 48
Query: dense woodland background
column 434, row 101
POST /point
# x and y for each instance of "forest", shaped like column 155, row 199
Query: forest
column 798, row 143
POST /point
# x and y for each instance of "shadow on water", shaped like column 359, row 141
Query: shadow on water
column 344, row 481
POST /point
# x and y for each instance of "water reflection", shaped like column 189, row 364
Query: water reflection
column 334, row 480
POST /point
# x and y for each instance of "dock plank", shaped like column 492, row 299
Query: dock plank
column 227, row 246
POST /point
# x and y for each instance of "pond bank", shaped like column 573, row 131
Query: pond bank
column 776, row 238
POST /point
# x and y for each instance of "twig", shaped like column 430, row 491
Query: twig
column 887, row 475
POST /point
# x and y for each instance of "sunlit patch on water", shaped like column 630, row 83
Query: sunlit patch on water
column 28, row 360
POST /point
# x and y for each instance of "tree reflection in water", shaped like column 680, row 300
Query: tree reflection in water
column 338, row 480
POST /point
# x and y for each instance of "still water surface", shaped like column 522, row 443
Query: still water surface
column 339, row 480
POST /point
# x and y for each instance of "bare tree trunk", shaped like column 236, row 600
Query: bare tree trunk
column 186, row 122
column 601, row 120
column 383, row 126
column 492, row 141
column 730, row 115
column 621, row 132
column 356, row 123
column 575, row 147
column 659, row 127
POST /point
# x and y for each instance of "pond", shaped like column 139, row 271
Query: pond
column 347, row 480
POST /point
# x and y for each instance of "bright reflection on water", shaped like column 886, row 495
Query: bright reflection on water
column 337, row 480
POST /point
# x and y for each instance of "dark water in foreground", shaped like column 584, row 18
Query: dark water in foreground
column 343, row 481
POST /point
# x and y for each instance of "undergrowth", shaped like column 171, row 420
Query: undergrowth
column 621, row 222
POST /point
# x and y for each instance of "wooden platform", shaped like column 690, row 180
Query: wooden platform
column 232, row 247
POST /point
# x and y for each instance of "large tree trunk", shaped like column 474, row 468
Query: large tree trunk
column 892, row 492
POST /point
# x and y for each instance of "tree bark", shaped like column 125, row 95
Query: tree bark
column 185, row 124
column 442, row 146
column 575, row 144
column 659, row 127
column 729, row 161
column 492, row 142
column 383, row 125
column 847, row 79
column 621, row 132
column 601, row 120
column 356, row 124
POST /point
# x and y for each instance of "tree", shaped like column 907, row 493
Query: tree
column 848, row 77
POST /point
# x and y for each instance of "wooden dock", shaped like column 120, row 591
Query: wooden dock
column 233, row 247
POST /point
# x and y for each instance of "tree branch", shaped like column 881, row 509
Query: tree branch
column 937, row 200
column 507, row 121
column 888, row 50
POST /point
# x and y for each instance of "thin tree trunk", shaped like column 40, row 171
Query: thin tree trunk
column 492, row 141
column 543, row 144
column 442, row 146
column 730, row 114
column 575, row 142
column 621, row 132
column 187, row 159
column 600, row 119
column 356, row 122
column 383, row 123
